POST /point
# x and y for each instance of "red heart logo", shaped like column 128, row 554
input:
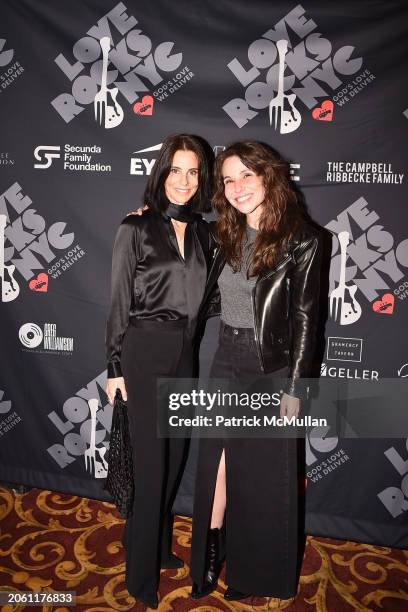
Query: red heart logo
column 40, row 283
column 324, row 112
column 145, row 107
column 385, row 305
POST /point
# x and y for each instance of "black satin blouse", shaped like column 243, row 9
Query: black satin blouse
column 151, row 280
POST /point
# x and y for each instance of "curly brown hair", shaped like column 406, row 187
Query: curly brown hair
column 281, row 216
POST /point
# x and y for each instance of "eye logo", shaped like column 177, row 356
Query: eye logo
column 45, row 154
column 142, row 165
column 30, row 335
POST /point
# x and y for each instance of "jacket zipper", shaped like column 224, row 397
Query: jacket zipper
column 256, row 335
column 214, row 259
column 210, row 272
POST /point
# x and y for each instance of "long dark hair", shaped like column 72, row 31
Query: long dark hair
column 154, row 195
column 281, row 216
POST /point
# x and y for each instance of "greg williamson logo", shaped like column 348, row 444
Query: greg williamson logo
column 32, row 336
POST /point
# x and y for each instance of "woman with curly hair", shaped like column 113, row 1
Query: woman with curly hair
column 266, row 272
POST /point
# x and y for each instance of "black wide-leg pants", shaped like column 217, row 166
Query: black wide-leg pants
column 262, row 543
column 150, row 350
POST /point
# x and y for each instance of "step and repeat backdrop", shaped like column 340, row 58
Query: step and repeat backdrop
column 88, row 91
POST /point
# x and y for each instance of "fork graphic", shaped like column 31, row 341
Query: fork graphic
column 98, row 468
column 106, row 114
column 344, row 311
column 282, row 111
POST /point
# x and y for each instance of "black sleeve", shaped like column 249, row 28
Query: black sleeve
column 304, row 308
column 123, row 271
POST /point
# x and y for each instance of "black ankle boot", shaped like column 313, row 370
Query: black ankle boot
column 232, row 594
column 213, row 563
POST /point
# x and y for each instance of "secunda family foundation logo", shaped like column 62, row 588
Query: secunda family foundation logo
column 289, row 68
column 31, row 250
column 45, row 339
column 75, row 158
column 113, row 65
column 368, row 265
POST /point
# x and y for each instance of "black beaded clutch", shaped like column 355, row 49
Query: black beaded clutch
column 119, row 481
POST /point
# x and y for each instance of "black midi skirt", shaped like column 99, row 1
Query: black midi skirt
column 263, row 527
column 150, row 350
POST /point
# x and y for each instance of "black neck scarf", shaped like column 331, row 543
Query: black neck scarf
column 194, row 259
column 180, row 212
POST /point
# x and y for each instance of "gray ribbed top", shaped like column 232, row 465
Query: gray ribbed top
column 236, row 290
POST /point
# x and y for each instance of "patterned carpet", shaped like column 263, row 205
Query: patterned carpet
column 56, row 542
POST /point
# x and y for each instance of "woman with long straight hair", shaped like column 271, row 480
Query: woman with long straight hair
column 159, row 271
column 267, row 273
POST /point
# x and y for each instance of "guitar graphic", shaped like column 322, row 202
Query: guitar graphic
column 282, row 108
column 9, row 286
column 108, row 115
column 342, row 310
column 98, row 468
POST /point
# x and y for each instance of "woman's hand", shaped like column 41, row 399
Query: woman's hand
column 289, row 406
column 139, row 211
column 115, row 383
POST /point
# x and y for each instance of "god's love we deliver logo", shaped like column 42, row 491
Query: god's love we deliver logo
column 115, row 65
column 292, row 67
column 31, row 250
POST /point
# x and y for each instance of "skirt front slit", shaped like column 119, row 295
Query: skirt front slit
column 261, row 522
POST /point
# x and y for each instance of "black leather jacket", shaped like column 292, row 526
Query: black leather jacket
column 285, row 303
